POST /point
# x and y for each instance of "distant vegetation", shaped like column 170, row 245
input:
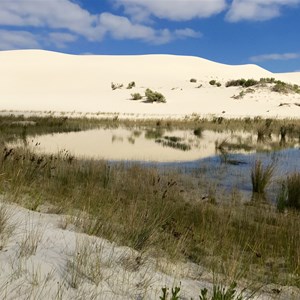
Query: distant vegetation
column 193, row 80
column 279, row 86
column 154, row 96
column 136, row 96
column 241, row 82
column 130, row 85
column 214, row 82
column 115, row 86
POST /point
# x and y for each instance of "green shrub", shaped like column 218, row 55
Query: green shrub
column 130, row 85
column 193, row 80
column 115, row 86
column 154, row 96
column 267, row 80
column 250, row 82
column 241, row 82
column 136, row 96
column 285, row 88
column 219, row 293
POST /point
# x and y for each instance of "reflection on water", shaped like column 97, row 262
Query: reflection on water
column 151, row 144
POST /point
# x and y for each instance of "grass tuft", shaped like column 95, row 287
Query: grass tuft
column 261, row 177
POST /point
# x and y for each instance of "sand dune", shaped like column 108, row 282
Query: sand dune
column 35, row 80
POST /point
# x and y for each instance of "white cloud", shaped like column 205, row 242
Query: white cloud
column 10, row 40
column 74, row 21
column 58, row 14
column 176, row 10
column 275, row 56
column 61, row 39
column 122, row 28
column 257, row 10
column 187, row 33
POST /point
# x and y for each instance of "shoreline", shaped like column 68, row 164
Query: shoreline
column 140, row 116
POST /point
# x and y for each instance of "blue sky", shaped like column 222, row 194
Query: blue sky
column 264, row 32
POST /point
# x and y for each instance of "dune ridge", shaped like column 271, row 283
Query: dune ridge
column 37, row 80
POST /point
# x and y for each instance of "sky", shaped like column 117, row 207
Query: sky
column 263, row 32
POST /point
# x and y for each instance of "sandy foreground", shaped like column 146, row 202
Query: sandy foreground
column 43, row 257
column 35, row 80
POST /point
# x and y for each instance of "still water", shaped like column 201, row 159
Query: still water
column 151, row 144
column 226, row 157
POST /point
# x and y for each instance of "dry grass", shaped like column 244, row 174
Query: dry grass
column 6, row 226
column 151, row 210
column 261, row 177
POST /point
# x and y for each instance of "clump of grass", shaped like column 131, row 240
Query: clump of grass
column 242, row 82
column 214, row 82
column 85, row 263
column 219, row 292
column 115, row 86
column 289, row 194
column 130, row 85
column 136, row 96
column 30, row 241
column 154, row 96
column 198, row 131
column 261, row 177
column 285, row 88
column 6, row 228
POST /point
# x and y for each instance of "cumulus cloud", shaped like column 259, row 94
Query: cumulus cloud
column 257, row 10
column 187, row 33
column 176, row 10
column 122, row 28
column 61, row 39
column 65, row 21
column 275, row 56
column 10, row 40
column 58, row 14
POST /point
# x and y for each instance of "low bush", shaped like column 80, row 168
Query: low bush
column 154, row 96
column 241, row 82
column 136, row 96
column 285, row 88
column 115, row 86
column 214, row 82
column 130, row 85
column 193, row 80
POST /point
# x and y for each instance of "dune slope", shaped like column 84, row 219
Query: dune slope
column 36, row 80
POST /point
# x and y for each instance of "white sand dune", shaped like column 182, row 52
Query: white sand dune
column 35, row 80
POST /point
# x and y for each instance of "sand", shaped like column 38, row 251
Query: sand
column 36, row 80
column 44, row 257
